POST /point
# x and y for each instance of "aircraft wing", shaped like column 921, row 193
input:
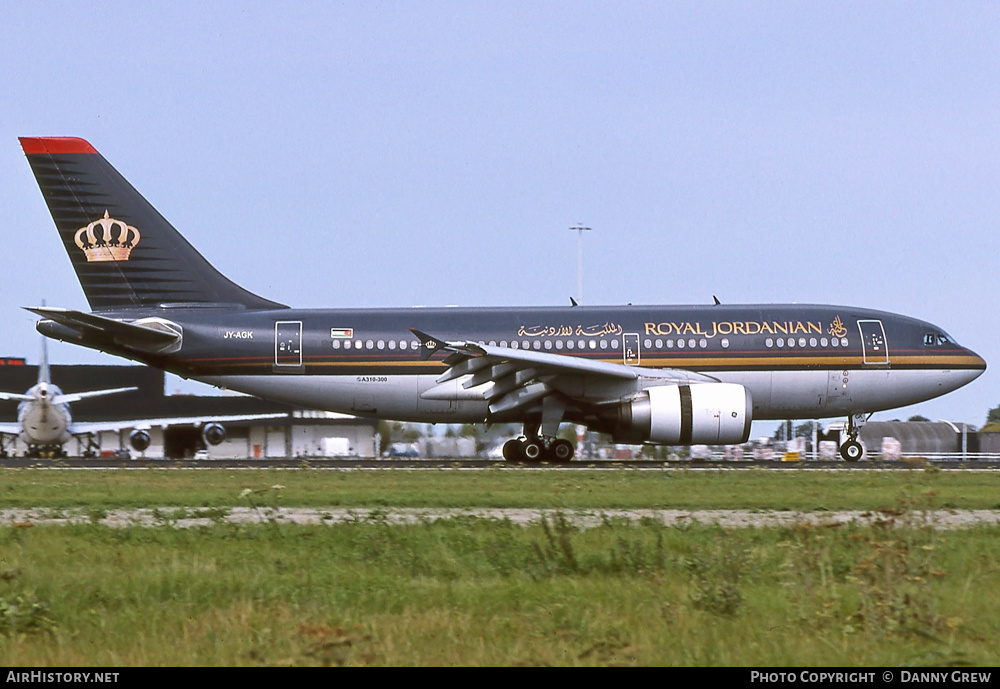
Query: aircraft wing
column 10, row 428
column 86, row 427
column 521, row 377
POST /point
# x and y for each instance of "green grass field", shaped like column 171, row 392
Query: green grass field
column 479, row 592
column 578, row 489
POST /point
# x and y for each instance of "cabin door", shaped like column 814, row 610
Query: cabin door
column 630, row 344
column 873, row 345
column 288, row 343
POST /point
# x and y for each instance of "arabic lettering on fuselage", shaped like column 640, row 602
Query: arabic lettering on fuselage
column 682, row 328
column 568, row 330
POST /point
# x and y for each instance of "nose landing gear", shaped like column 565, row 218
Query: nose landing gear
column 851, row 450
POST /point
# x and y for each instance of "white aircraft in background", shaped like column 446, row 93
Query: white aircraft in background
column 44, row 422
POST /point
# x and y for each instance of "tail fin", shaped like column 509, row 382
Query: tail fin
column 43, row 363
column 124, row 252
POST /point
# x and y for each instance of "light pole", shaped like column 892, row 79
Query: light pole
column 580, row 229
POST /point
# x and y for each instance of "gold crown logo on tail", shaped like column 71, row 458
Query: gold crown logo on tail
column 107, row 239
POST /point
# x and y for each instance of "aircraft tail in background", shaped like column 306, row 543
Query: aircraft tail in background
column 43, row 363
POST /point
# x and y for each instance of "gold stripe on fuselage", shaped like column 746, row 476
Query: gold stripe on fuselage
column 699, row 363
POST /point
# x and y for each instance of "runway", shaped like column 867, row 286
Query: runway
column 349, row 463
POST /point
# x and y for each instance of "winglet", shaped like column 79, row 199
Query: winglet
column 429, row 345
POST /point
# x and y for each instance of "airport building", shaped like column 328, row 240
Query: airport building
column 293, row 432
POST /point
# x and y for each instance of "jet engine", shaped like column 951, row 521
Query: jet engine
column 213, row 433
column 139, row 439
column 700, row 414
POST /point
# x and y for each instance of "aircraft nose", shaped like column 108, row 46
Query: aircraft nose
column 978, row 363
column 971, row 368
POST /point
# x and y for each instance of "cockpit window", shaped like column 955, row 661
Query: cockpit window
column 931, row 339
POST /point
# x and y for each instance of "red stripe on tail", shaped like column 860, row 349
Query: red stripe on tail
column 55, row 144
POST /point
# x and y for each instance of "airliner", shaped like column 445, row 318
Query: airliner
column 668, row 375
column 45, row 424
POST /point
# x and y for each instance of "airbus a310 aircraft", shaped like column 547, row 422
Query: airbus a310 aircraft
column 671, row 375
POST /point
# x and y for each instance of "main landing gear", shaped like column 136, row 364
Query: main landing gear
column 539, row 442
column 45, row 451
column 851, row 450
column 536, row 449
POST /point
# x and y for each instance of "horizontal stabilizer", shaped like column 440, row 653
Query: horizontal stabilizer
column 150, row 335
column 71, row 397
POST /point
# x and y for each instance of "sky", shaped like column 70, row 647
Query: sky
column 363, row 154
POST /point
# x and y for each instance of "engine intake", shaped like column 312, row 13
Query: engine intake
column 702, row 414
column 139, row 439
column 213, row 433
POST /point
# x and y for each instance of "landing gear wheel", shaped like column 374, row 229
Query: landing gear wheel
column 532, row 450
column 562, row 451
column 851, row 451
column 512, row 451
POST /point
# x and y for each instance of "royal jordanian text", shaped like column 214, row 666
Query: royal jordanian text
column 736, row 328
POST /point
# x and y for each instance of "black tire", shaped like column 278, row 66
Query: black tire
column 851, row 451
column 562, row 451
column 512, row 451
column 532, row 451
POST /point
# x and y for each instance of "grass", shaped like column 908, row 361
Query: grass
column 578, row 489
column 471, row 591
column 490, row 593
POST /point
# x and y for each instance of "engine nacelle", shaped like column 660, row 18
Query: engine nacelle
column 139, row 439
column 700, row 414
column 213, row 433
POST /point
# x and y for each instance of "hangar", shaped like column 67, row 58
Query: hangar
column 919, row 437
column 298, row 433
